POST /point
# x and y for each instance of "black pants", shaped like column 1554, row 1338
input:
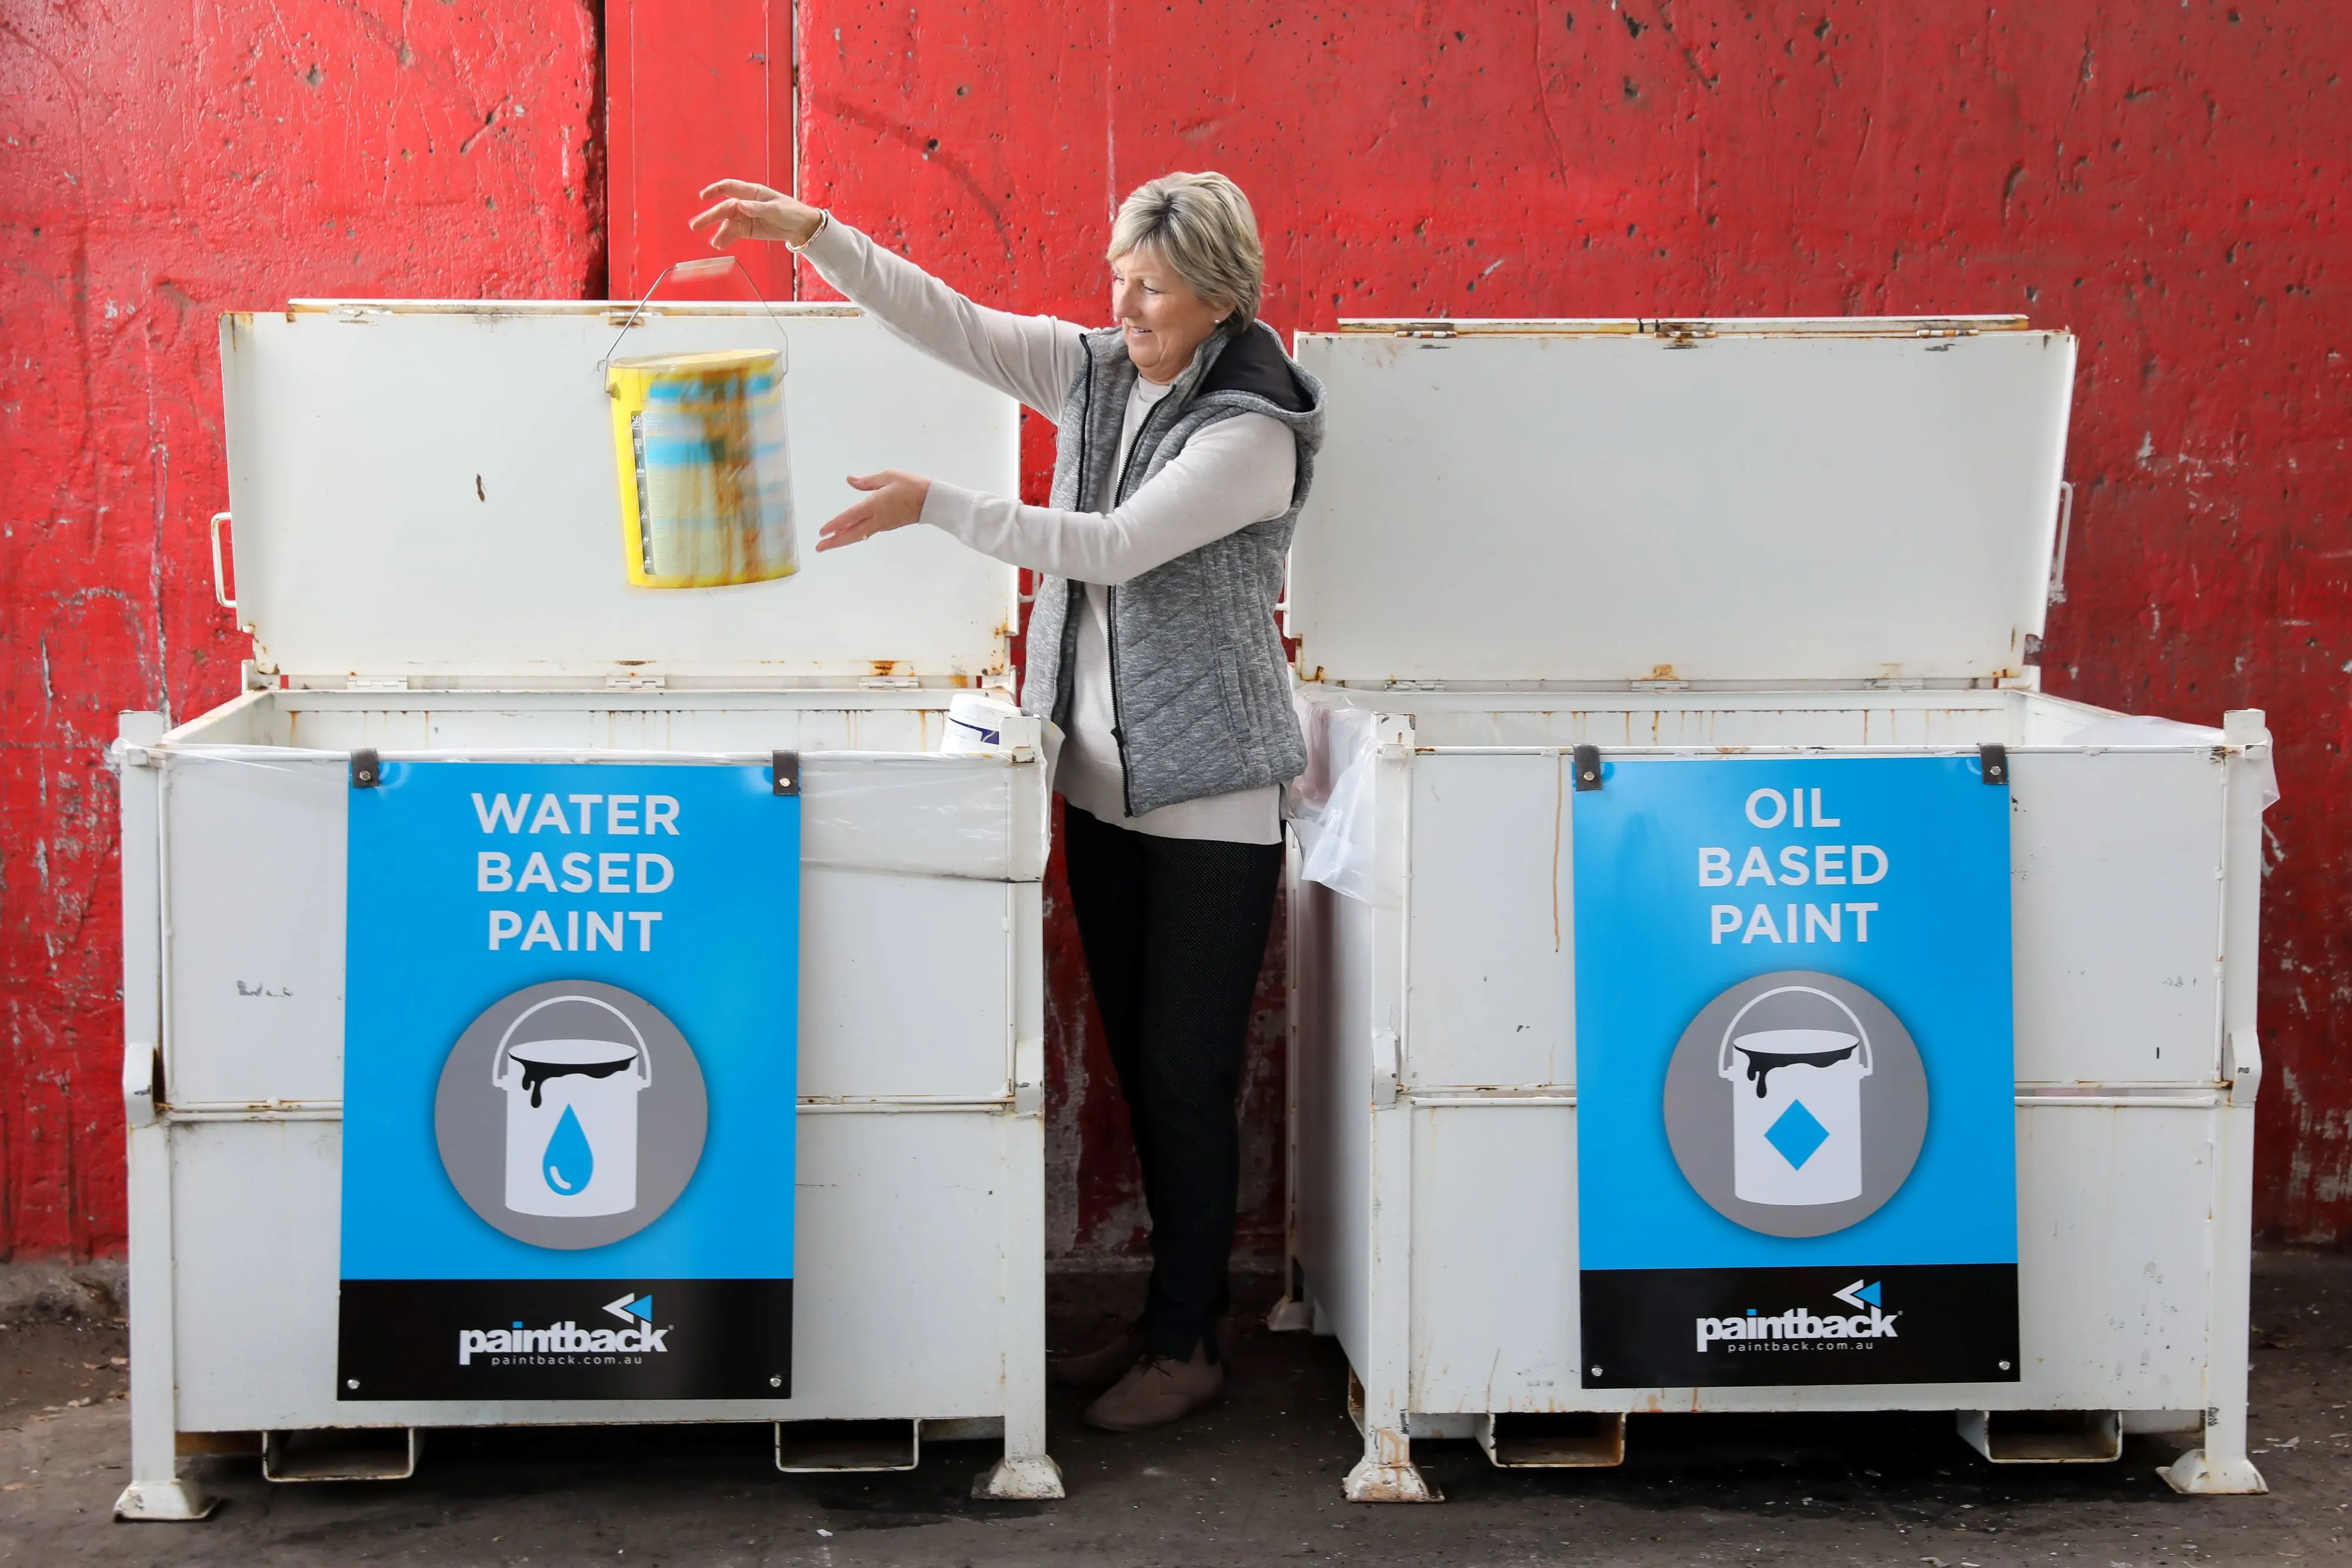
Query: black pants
column 1174, row 932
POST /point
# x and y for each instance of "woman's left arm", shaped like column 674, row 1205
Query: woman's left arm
column 1237, row 472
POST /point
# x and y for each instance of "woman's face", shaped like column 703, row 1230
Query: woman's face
column 1165, row 321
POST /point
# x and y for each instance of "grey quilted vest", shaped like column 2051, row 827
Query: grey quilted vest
column 1199, row 684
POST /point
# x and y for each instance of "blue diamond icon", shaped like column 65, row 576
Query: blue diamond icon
column 1797, row 1134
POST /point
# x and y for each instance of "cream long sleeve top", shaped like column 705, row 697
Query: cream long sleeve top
column 1234, row 472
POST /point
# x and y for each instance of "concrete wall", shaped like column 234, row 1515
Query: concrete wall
column 159, row 165
column 2166, row 180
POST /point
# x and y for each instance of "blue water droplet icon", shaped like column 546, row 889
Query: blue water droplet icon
column 569, row 1163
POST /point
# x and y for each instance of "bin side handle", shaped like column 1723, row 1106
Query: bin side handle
column 2065, row 529
column 221, row 595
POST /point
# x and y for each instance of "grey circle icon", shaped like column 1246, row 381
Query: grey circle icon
column 1796, row 1103
column 571, row 1114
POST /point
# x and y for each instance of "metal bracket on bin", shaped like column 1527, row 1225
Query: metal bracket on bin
column 1575, row 1439
column 367, row 771
column 2044, row 1436
column 2241, row 1065
column 341, row 1454
column 1388, row 1066
column 785, row 772
column 820, row 1447
column 1994, row 757
column 1588, row 768
column 1028, row 1076
column 143, row 1083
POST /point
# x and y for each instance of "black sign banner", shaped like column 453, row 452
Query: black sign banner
column 1744, row 1328
column 565, row 1339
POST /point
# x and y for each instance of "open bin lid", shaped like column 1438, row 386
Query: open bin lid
column 1755, row 502
column 426, row 490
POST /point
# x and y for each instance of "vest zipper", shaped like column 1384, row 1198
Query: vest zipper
column 1064, row 681
column 1110, row 607
column 1117, row 724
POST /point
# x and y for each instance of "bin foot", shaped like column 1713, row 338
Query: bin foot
column 1033, row 1477
column 1290, row 1315
column 172, row 1502
column 1372, row 1482
column 2196, row 1473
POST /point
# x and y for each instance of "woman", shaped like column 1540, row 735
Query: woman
column 1186, row 443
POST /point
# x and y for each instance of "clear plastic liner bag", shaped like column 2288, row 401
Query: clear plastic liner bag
column 1330, row 805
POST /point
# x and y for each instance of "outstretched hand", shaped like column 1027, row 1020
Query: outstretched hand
column 746, row 211
column 893, row 500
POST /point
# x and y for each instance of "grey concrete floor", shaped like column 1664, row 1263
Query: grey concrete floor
column 1256, row 1480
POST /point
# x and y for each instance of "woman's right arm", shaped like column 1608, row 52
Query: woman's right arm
column 1031, row 358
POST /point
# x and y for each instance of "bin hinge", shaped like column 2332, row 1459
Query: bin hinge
column 1587, row 766
column 633, row 683
column 1992, row 756
column 376, row 684
column 785, row 772
column 367, row 769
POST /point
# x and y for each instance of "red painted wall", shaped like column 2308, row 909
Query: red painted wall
column 160, row 165
column 2167, row 181
column 692, row 86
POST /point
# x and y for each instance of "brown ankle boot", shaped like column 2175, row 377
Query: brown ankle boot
column 1097, row 1368
column 1158, row 1390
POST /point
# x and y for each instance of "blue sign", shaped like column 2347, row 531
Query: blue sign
column 570, row 1006
column 1795, row 1071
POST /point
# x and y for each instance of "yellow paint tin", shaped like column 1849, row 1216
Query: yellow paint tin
column 705, row 480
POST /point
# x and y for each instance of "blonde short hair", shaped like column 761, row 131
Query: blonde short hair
column 1201, row 226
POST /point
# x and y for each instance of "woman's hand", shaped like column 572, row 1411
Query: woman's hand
column 893, row 500
column 754, row 212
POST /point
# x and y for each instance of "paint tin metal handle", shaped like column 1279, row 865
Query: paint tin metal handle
column 710, row 266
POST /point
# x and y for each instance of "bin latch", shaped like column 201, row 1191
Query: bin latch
column 1994, row 759
column 367, row 771
column 1587, row 766
column 786, row 770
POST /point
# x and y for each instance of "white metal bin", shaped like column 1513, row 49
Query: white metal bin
column 1676, row 544
column 427, row 554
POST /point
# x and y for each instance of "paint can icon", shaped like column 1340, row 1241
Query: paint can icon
column 1797, row 1102
column 572, row 1067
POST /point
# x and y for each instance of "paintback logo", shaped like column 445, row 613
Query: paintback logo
column 1799, row 1329
column 566, row 1343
